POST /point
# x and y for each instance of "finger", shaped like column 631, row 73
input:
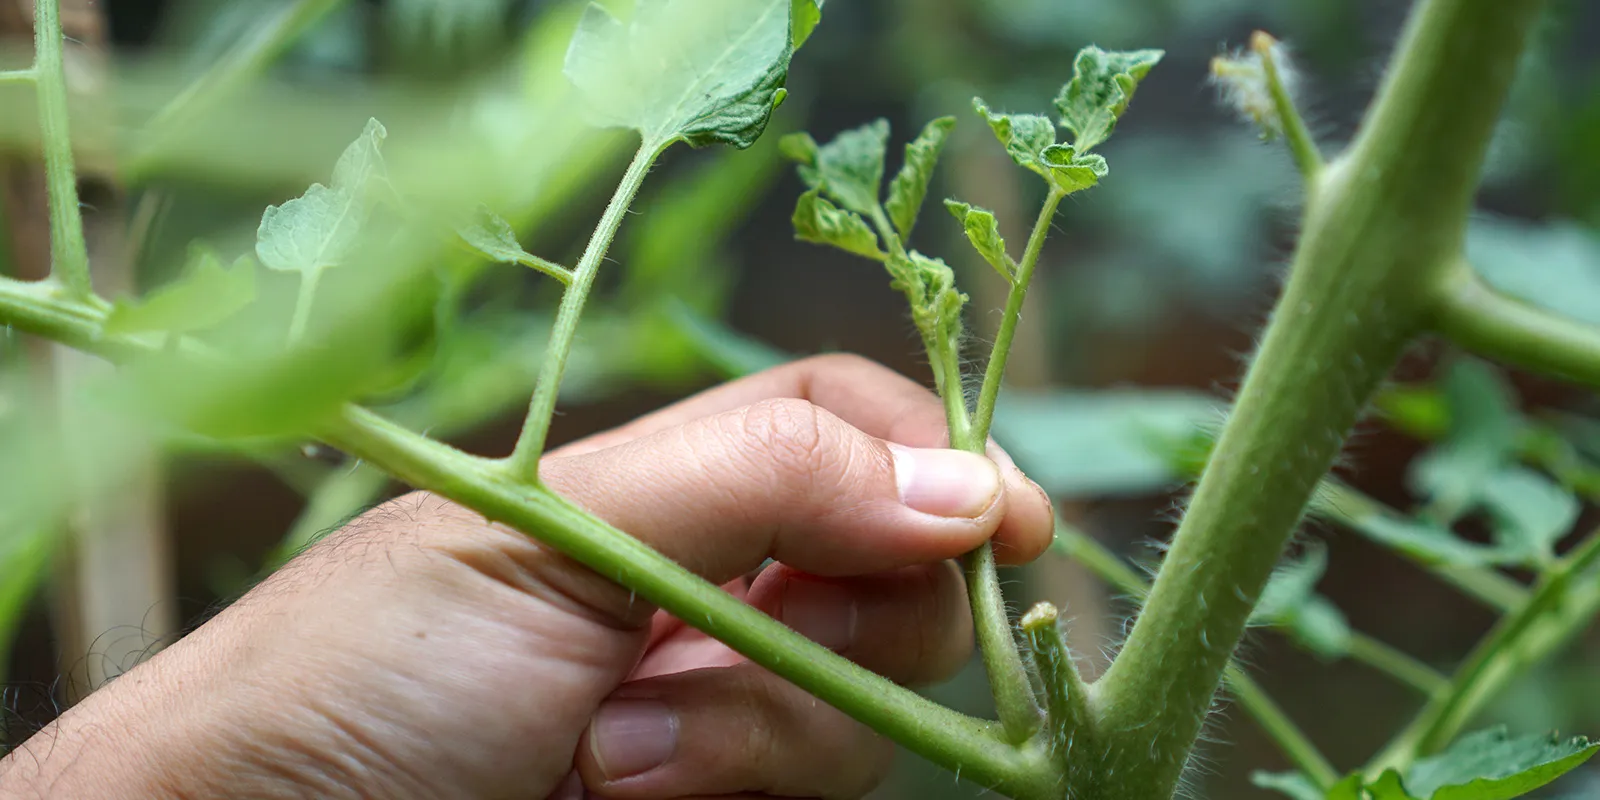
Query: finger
column 787, row 480
column 871, row 397
column 725, row 731
column 911, row 625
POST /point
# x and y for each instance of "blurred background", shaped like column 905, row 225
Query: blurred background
column 1151, row 291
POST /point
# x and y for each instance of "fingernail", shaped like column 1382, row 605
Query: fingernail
column 822, row 612
column 946, row 483
column 632, row 736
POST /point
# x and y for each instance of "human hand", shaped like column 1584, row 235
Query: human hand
column 421, row 652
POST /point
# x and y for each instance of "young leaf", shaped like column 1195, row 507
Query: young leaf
column 1482, row 438
column 1529, row 512
column 310, row 233
column 206, row 296
column 1490, row 765
column 494, row 238
column 817, row 220
column 1025, row 136
column 318, row 229
column 697, row 71
column 1290, row 602
column 848, row 169
column 910, row 184
column 1071, row 172
column 361, row 164
column 1294, row 784
column 1102, row 84
column 804, row 16
column 981, row 229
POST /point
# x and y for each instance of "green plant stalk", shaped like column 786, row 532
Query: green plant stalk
column 1070, row 725
column 1482, row 319
column 1493, row 663
column 1008, row 677
column 1397, row 664
column 304, row 299
column 1294, row 743
column 992, row 374
column 69, row 252
column 524, row 460
column 1009, row 682
column 1382, row 224
column 1301, row 144
column 1345, row 506
column 1301, row 752
column 18, row 75
column 971, row 746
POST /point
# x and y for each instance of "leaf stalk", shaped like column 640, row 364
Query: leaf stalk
column 524, row 460
column 69, row 252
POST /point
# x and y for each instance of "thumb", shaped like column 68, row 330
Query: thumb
column 786, row 479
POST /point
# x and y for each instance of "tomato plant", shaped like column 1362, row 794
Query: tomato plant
column 1379, row 264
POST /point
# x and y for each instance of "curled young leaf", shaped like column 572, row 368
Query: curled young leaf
column 984, row 234
column 848, row 169
column 697, row 71
column 1025, row 136
column 817, row 220
column 1071, row 172
column 910, row 184
column 360, row 167
column 319, row 229
column 1102, row 84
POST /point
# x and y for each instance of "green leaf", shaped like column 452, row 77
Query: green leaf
column 1294, row 784
column 1102, row 84
column 981, row 229
column 310, row 233
column 817, row 220
column 848, row 169
column 910, row 184
column 1025, row 136
column 698, row 71
column 1290, row 602
column 1491, row 765
column 1386, row 787
column 1427, row 542
column 490, row 235
column 1482, row 438
column 1071, row 172
column 319, row 229
column 207, row 295
column 805, row 14
column 1529, row 512
column 361, row 165
column 1555, row 265
column 1099, row 443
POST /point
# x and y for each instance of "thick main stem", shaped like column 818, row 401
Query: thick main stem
column 1381, row 224
column 69, row 253
column 524, row 461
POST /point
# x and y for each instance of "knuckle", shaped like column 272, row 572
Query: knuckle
column 794, row 436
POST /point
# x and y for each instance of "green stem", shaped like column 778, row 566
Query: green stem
column 524, row 461
column 1480, row 318
column 1290, row 739
column 1397, row 664
column 1304, row 148
column 1066, row 695
column 1381, row 223
column 69, row 253
column 1493, row 663
column 970, row 746
column 18, row 75
column 303, row 302
column 1283, row 731
column 990, row 392
column 1355, row 510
